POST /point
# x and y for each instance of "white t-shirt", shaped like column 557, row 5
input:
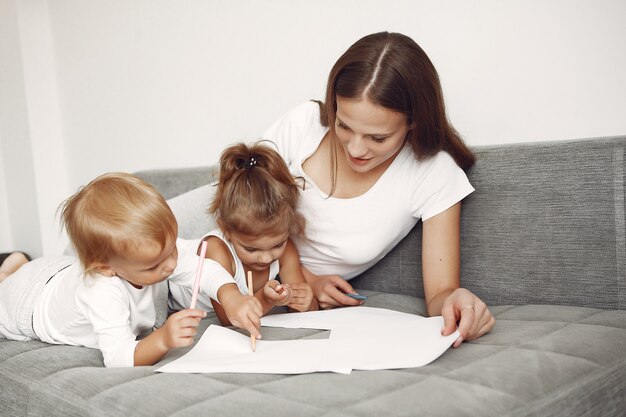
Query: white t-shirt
column 348, row 236
column 108, row 313
column 180, row 296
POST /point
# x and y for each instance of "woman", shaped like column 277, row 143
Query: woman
column 378, row 156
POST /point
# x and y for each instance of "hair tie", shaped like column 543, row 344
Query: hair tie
column 247, row 164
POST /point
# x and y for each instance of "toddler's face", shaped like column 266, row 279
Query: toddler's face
column 258, row 253
column 147, row 265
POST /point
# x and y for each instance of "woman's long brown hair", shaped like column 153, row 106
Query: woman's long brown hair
column 391, row 70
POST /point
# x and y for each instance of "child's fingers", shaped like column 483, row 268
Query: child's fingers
column 197, row 313
column 276, row 288
column 255, row 319
column 186, row 332
column 181, row 336
column 190, row 312
column 256, row 307
column 273, row 284
column 253, row 325
column 249, row 314
column 284, row 292
column 189, row 322
column 184, row 341
column 273, row 297
column 183, row 324
column 274, row 293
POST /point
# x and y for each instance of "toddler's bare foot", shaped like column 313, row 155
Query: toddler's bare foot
column 11, row 264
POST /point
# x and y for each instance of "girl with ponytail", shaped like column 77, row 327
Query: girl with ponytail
column 255, row 207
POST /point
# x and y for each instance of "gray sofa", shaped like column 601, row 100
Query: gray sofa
column 543, row 243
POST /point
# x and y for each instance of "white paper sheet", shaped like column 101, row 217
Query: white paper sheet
column 361, row 338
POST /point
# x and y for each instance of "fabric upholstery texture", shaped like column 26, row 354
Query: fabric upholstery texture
column 538, row 360
column 542, row 243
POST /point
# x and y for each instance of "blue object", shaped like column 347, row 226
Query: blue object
column 357, row 296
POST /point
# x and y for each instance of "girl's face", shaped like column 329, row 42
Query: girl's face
column 370, row 135
column 147, row 265
column 258, row 253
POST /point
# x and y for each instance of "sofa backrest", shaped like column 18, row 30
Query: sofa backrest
column 545, row 225
column 176, row 181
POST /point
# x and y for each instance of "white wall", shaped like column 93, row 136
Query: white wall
column 6, row 237
column 33, row 149
column 20, row 205
column 138, row 84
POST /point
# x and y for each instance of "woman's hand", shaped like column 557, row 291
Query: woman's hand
column 330, row 290
column 441, row 264
column 470, row 312
column 302, row 298
column 276, row 293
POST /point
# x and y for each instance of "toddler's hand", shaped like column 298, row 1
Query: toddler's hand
column 302, row 297
column 276, row 293
column 244, row 311
column 181, row 327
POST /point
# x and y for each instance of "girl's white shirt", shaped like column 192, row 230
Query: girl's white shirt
column 180, row 296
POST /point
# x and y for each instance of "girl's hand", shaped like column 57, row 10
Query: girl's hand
column 276, row 293
column 471, row 314
column 302, row 297
column 243, row 311
column 181, row 327
column 330, row 290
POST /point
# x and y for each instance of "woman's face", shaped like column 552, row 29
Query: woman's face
column 370, row 135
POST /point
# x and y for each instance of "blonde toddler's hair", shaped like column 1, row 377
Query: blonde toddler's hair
column 113, row 216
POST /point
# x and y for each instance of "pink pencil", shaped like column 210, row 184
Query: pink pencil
column 196, row 284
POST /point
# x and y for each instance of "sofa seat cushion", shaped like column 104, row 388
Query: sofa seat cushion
column 538, row 360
